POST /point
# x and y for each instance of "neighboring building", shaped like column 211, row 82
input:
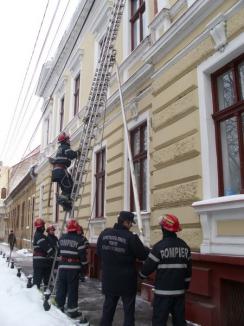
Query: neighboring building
column 182, row 68
column 4, row 174
column 20, row 202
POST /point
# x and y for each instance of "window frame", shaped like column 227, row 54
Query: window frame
column 61, row 113
column 100, row 175
column 134, row 17
column 140, row 157
column 235, row 110
column 76, row 94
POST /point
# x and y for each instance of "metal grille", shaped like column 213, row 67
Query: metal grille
column 233, row 303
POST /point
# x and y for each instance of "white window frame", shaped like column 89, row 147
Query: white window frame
column 61, row 92
column 145, row 215
column 97, row 223
column 213, row 208
column 75, row 68
column 96, row 149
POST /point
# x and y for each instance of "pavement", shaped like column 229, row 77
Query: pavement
column 90, row 297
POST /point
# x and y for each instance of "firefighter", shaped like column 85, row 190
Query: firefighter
column 118, row 249
column 80, row 231
column 53, row 240
column 42, row 250
column 11, row 240
column 171, row 259
column 72, row 260
column 61, row 162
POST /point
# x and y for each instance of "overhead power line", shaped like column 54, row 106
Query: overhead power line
column 21, row 117
column 23, row 130
column 7, row 138
column 44, row 111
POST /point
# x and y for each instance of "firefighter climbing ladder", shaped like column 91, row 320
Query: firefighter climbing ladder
column 93, row 111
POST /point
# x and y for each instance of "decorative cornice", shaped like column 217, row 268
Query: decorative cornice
column 45, row 87
column 74, row 63
column 205, row 34
column 219, row 35
column 180, row 29
column 101, row 17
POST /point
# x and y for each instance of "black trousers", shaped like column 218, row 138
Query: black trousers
column 163, row 305
column 109, row 307
column 67, row 286
column 41, row 272
column 64, row 179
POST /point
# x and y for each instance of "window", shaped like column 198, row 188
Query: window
column 3, row 193
column 138, row 138
column 18, row 217
column 76, row 94
column 228, row 99
column 61, row 113
column 23, row 215
column 100, row 182
column 138, row 22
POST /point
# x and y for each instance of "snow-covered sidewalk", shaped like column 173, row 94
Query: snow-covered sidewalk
column 22, row 306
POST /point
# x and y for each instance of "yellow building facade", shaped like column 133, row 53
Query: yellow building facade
column 181, row 67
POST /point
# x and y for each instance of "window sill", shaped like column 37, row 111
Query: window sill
column 222, row 221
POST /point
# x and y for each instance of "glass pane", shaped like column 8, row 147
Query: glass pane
column 144, row 26
column 136, row 33
column 137, row 174
column 136, row 143
column 103, row 153
column 144, row 186
column 230, row 156
column 99, row 197
column 135, row 6
column 145, row 139
column 241, row 79
column 226, row 95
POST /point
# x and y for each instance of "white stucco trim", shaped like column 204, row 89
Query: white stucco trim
column 97, row 148
column 213, row 208
column 145, row 215
column 95, row 223
column 208, row 146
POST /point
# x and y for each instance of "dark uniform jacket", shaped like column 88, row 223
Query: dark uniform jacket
column 171, row 258
column 41, row 248
column 72, row 251
column 118, row 249
column 53, row 240
column 64, row 155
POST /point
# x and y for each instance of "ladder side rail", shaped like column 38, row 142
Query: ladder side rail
column 100, row 90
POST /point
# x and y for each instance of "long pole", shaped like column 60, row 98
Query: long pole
column 132, row 170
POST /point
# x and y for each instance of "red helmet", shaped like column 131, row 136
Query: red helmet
column 50, row 228
column 170, row 223
column 72, row 225
column 63, row 137
column 80, row 229
column 39, row 223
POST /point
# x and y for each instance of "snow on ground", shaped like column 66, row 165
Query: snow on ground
column 24, row 252
column 22, row 306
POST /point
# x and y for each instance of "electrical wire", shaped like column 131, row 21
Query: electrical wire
column 48, row 102
column 19, row 121
column 33, row 93
column 23, row 82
